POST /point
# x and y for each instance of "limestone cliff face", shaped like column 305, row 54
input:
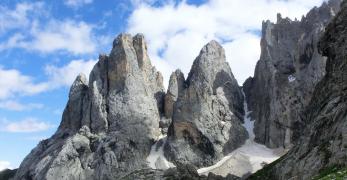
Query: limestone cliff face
column 109, row 124
column 323, row 144
column 206, row 121
column 286, row 74
column 176, row 85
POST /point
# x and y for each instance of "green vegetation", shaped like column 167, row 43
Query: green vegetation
column 333, row 172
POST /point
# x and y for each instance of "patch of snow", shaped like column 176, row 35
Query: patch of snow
column 291, row 78
column 156, row 158
column 249, row 158
column 332, row 12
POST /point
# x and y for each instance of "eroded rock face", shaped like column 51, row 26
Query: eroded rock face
column 206, row 120
column 109, row 124
column 176, row 86
column 323, row 144
column 184, row 171
column 286, row 74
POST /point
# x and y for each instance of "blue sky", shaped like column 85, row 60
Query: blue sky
column 45, row 44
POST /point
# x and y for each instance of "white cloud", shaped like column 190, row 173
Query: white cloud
column 31, row 27
column 19, row 16
column 65, row 75
column 70, row 36
column 25, row 126
column 74, row 37
column 176, row 32
column 16, row 106
column 242, row 54
column 77, row 3
column 13, row 83
column 5, row 165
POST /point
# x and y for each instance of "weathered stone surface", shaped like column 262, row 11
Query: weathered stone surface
column 109, row 124
column 286, row 74
column 182, row 172
column 323, row 144
column 206, row 121
column 176, row 86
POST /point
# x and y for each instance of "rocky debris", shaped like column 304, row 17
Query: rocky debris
column 247, row 159
column 207, row 116
column 109, row 124
column 286, row 74
column 182, row 172
column 323, row 145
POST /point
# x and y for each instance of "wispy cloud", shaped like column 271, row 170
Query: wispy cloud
column 176, row 40
column 65, row 75
column 14, row 82
column 30, row 27
column 77, row 3
column 74, row 37
column 19, row 17
column 67, row 35
column 17, row 106
column 27, row 125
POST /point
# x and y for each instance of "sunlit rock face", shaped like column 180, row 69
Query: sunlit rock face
column 109, row 124
column 323, row 144
column 207, row 116
column 286, row 74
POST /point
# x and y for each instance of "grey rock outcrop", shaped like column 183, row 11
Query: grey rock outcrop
column 206, row 121
column 323, row 145
column 176, row 86
column 286, row 74
column 181, row 172
column 109, row 124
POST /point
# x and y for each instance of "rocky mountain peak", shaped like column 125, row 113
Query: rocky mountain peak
column 322, row 145
column 141, row 52
column 208, row 63
column 79, row 85
column 108, row 126
column 176, row 86
column 289, row 68
column 210, row 101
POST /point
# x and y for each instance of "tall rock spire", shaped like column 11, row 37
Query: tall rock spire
column 109, row 124
column 322, row 147
column 286, row 74
column 205, row 122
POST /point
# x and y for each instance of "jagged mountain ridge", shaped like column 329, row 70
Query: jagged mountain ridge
column 207, row 115
column 289, row 68
column 111, row 122
column 322, row 148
